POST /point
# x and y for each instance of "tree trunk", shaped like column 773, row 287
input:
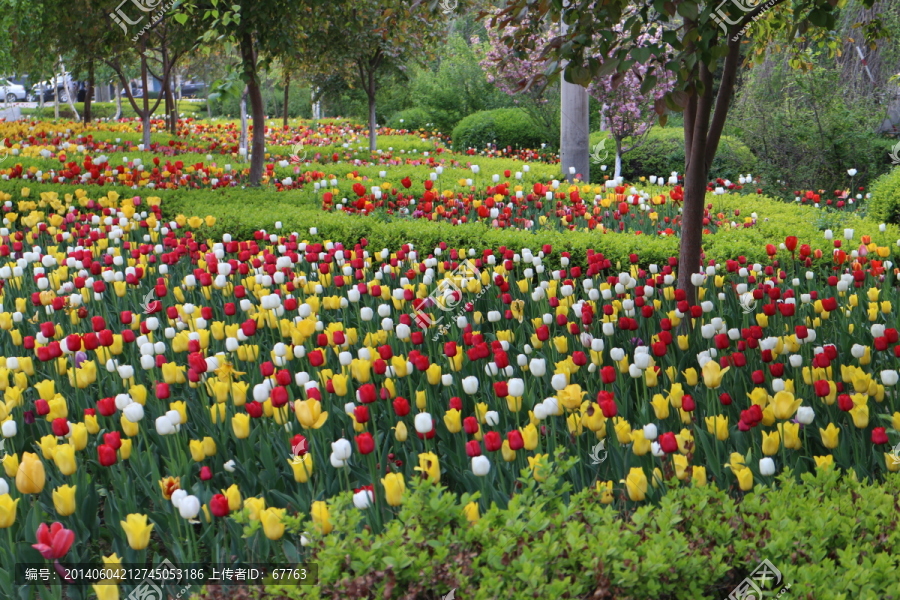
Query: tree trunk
column 89, row 93
column 118, row 101
column 55, row 97
column 69, row 90
column 287, row 89
column 373, row 142
column 145, row 116
column 574, row 129
column 173, row 106
column 243, row 141
column 248, row 57
column 618, row 172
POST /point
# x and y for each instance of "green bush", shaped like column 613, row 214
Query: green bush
column 829, row 536
column 411, row 119
column 503, row 127
column 107, row 110
column 663, row 152
column 884, row 205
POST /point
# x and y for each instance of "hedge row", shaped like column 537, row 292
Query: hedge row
column 829, row 536
column 241, row 212
column 503, row 126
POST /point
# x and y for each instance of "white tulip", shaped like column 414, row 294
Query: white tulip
column 9, row 429
column 650, row 431
column 481, row 466
column 559, row 381
column 889, row 377
column 134, row 412
column 538, row 367
column 492, row 418
column 4, row 487
column 424, row 423
column 363, row 500
column 189, row 507
column 177, row 496
column 341, row 449
column 766, row 466
column 230, row 466
column 806, row 415
column 336, row 462
column 516, row 387
column 164, row 426
column 470, row 385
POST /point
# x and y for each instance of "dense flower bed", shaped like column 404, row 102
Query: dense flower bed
column 225, row 390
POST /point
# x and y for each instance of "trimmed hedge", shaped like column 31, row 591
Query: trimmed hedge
column 503, row 127
column 241, row 212
column 829, row 536
column 885, row 202
column 663, row 152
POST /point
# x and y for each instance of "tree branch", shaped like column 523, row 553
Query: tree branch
column 723, row 100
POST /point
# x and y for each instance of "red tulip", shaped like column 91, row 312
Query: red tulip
column 473, row 448
column 53, row 541
column 205, row 473
column 668, row 443
column 106, row 455
column 493, row 441
column 218, row 505
column 365, row 443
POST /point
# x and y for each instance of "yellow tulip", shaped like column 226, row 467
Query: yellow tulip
column 623, row 430
column 735, row 462
column 745, row 479
column 529, row 436
column 64, row 500
column 698, row 476
column 718, row 425
column 681, row 464
column 196, row 448
column 309, row 413
column 471, row 512
column 660, row 406
column 401, row 432
column 48, row 445
column 453, row 420
column 507, row 452
column 539, row 466
column 137, row 530
column 605, row 489
column 320, row 516
column 830, row 436
column 272, row 520
column 233, row 494
column 640, row 445
column 860, row 414
column 64, row 458
column 302, row 467
column 790, row 435
column 11, row 464
column 31, row 476
column 771, row 442
column 254, row 506
column 785, row 405
column 79, row 437
column 690, row 375
column 430, row 467
column 7, row 511
column 824, row 462
column 636, row 484
column 394, row 487
column 713, row 373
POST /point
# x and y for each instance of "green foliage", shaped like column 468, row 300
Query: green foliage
column 809, row 127
column 663, row 152
column 503, row 127
column 884, row 205
column 412, row 119
column 831, row 538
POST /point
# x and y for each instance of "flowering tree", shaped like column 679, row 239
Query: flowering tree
column 628, row 109
column 512, row 72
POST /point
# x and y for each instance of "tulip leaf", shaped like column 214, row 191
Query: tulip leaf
column 290, row 551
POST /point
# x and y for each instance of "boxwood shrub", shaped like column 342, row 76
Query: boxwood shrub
column 411, row 119
column 503, row 127
column 885, row 202
column 830, row 537
column 663, row 152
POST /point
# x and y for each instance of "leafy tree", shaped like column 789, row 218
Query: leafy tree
column 700, row 42
column 263, row 31
column 360, row 40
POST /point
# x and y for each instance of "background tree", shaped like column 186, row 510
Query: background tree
column 363, row 39
column 700, row 43
column 262, row 31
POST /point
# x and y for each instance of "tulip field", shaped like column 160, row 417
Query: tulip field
column 172, row 390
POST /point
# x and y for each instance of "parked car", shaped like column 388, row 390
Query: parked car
column 77, row 88
column 12, row 92
column 191, row 89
